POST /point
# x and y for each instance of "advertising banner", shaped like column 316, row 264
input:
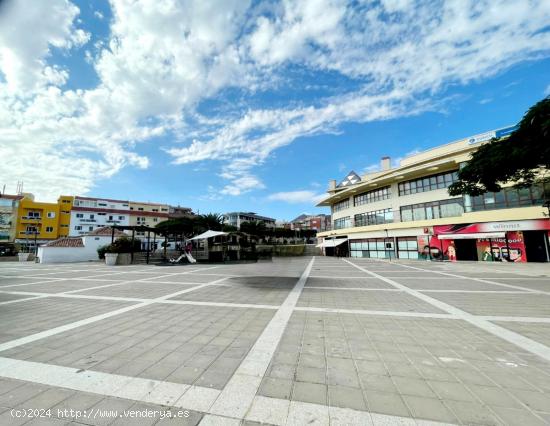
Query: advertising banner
column 512, row 225
column 496, row 249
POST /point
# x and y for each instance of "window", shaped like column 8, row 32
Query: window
column 155, row 210
column 155, row 219
column 510, row 198
column 110, row 217
column 51, row 215
column 433, row 210
column 90, row 228
column 78, row 228
column 34, row 215
column 343, row 222
column 429, row 183
column 31, row 230
column 407, row 248
column 121, row 218
column 91, row 216
column 373, row 247
column 372, row 196
column 163, row 210
column 140, row 208
column 49, row 228
column 376, row 217
column 342, row 205
column 79, row 215
column 66, row 201
column 64, row 226
column 102, row 204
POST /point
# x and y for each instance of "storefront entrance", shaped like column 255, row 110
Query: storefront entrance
column 536, row 246
column 466, row 249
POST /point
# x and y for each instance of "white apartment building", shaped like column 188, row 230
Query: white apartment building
column 236, row 218
column 88, row 214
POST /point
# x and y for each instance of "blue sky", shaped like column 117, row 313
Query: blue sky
column 231, row 105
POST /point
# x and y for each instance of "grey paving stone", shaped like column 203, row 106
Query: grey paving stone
column 429, row 409
column 314, row 393
column 515, row 417
column 275, row 388
column 311, row 375
column 414, row 387
column 473, row 413
column 346, row 397
column 386, row 403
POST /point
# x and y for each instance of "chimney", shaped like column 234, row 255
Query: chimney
column 385, row 164
column 331, row 184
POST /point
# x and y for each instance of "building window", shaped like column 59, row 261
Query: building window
column 376, row 217
column 78, row 228
column 343, row 222
column 432, row 210
column 140, row 208
column 110, row 217
column 102, row 204
column 91, row 216
column 121, row 218
column 155, row 219
column 428, row 183
column 344, row 204
column 34, row 215
column 66, row 201
column 155, row 210
column 373, row 247
column 407, row 248
column 510, row 198
column 49, row 228
column 79, row 215
column 372, row 196
column 90, row 228
column 51, row 215
column 31, row 230
column 64, row 226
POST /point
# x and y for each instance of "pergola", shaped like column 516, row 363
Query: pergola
column 140, row 228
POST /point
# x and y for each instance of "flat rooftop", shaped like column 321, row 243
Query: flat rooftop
column 294, row 341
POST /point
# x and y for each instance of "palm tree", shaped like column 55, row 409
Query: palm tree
column 211, row 221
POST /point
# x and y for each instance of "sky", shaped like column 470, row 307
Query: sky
column 252, row 106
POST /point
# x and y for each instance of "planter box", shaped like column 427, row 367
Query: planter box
column 110, row 259
column 23, row 257
column 124, row 259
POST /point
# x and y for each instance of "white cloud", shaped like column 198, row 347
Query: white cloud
column 163, row 57
column 297, row 197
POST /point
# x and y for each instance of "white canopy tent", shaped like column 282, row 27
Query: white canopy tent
column 208, row 234
column 332, row 243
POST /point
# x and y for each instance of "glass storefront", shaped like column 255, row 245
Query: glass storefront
column 380, row 248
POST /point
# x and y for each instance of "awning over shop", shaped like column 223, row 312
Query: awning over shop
column 332, row 243
column 208, row 234
column 472, row 236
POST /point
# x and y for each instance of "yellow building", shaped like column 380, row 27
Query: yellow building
column 39, row 222
column 405, row 211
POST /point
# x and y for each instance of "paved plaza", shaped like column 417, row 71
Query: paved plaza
column 293, row 341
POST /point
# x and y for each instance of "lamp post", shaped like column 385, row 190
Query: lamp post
column 387, row 238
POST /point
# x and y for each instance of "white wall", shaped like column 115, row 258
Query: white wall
column 74, row 254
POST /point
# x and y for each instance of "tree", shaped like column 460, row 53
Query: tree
column 255, row 228
column 523, row 158
column 211, row 221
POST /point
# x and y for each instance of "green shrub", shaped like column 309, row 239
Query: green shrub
column 121, row 245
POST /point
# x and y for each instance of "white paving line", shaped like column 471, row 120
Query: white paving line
column 39, row 295
column 515, row 319
column 474, row 291
column 505, row 334
column 24, row 299
column 371, row 312
column 238, row 395
column 145, row 390
column 351, row 288
column 47, row 333
column 482, row 280
column 191, row 397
